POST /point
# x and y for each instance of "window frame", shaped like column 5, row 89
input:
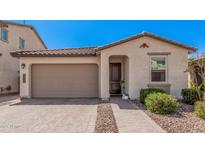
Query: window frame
column 2, row 30
column 24, row 78
column 20, row 38
column 166, row 69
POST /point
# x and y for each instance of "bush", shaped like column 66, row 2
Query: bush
column 199, row 109
column 189, row 96
column 145, row 92
column 161, row 103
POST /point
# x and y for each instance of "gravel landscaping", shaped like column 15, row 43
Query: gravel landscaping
column 183, row 121
column 105, row 122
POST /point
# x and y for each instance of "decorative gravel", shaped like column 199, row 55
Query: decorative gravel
column 183, row 121
column 105, row 122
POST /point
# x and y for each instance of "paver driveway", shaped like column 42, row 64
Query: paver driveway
column 49, row 115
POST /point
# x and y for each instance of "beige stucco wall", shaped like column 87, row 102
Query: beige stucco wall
column 136, row 66
column 139, row 65
column 126, row 73
column 25, row 88
column 9, row 66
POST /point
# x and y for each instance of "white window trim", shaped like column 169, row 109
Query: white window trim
column 166, row 70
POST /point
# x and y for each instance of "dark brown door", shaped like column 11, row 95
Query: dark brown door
column 115, row 78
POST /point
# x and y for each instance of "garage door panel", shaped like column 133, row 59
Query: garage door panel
column 72, row 80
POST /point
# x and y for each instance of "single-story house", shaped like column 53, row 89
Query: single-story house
column 123, row 67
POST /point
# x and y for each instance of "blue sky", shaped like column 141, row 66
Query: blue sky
column 79, row 33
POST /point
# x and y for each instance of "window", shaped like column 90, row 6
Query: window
column 21, row 43
column 4, row 35
column 24, row 78
column 158, row 69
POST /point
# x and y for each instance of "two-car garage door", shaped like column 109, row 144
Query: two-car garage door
column 64, row 80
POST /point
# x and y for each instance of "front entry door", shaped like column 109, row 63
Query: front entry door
column 115, row 78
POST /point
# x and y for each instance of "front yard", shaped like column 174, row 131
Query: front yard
column 74, row 115
column 183, row 121
column 91, row 115
column 174, row 116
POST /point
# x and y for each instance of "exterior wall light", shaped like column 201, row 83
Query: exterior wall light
column 23, row 66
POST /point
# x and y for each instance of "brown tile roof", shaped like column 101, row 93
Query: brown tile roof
column 92, row 51
column 86, row 51
column 25, row 25
column 192, row 49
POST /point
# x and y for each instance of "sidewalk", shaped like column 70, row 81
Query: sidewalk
column 4, row 99
column 131, row 119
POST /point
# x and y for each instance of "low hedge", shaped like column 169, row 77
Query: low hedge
column 161, row 103
column 145, row 92
column 199, row 109
column 189, row 96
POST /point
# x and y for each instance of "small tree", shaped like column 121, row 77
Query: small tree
column 196, row 66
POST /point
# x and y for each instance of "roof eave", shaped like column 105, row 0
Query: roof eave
column 18, row 56
column 191, row 49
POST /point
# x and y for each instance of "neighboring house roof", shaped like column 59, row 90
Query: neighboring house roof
column 149, row 35
column 92, row 51
column 25, row 25
column 86, row 51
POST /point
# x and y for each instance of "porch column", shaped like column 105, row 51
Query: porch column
column 25, row 81
column 133, row 87
column 104, row 76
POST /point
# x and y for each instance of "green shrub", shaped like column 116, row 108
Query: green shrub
column 161, row 103
column 189, row 96
column 199, row 109
column 145, row 92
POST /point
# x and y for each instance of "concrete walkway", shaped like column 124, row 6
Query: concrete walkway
column 131, row 119
column 6, row 98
